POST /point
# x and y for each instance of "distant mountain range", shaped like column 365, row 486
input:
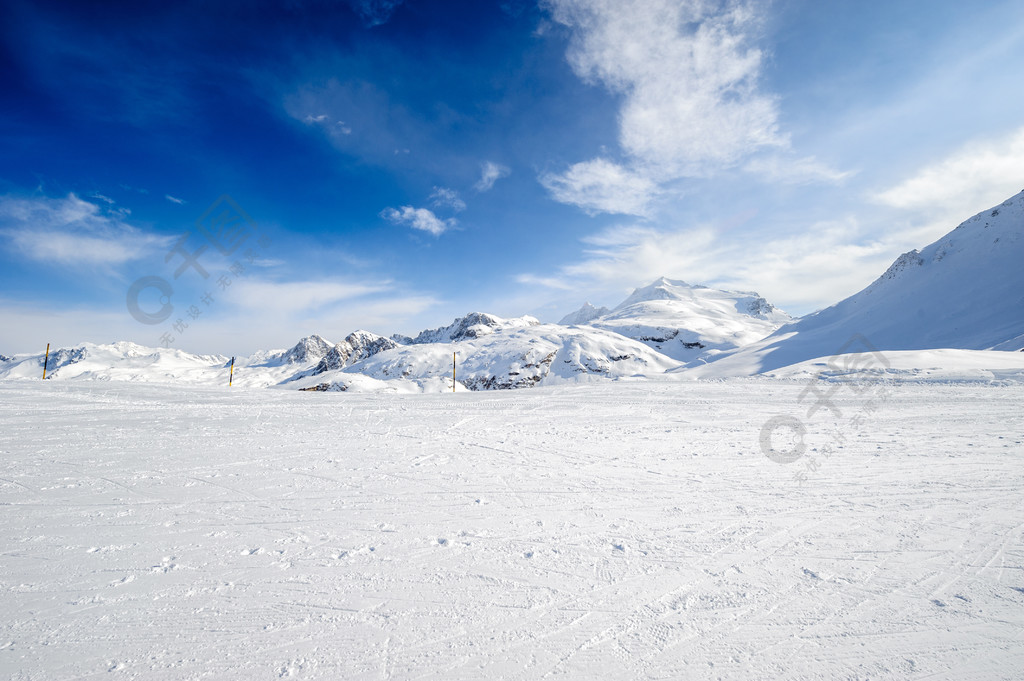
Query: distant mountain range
column 965, row 291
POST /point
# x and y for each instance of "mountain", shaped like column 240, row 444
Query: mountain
column 358, row 345
column 684, row 321
column 117, row 361
column 583, row 315
column 964, row 291
column 473, row 325
column 517, row 357
column 308, row 349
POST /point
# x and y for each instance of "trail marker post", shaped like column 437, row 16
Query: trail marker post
column 46, row 360
column 231, row 374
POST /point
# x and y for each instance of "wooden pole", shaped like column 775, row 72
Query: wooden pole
column 231, row 376
column 46, row 360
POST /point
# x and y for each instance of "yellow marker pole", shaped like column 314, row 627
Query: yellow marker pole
column 46, row 360
column 231, row 376
column 453, row 372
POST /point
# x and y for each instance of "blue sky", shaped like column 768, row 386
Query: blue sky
column 393, row 164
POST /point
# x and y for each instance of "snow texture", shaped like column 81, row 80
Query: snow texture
column 614, row 531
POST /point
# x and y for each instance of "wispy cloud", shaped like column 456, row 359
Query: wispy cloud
column 174, row 199
column 786, row 169
column 298, row 296
column 490, row 172
column 601, row 186
column 72, row 232
column 975, row 177
column 443, row 197
column 418, row 218
column 800, row 271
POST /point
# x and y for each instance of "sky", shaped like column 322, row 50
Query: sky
column 231, row 176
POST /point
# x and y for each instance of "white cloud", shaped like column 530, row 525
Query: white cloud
column 546, row 282
column 72, row 232
column 443, row 197
column 418, row 218
column 977, row 176
column 788, row 170
column 174, row 199
column 490, row 173
column 310, row 119
column 688, row 73
column 297, row 296
column 800, row 271
column 601, row 186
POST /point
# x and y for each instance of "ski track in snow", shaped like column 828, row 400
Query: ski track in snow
column 600, row 531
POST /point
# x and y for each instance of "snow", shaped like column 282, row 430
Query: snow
column 538, row 354
column 616, row 530
column 583, row 315
column 473, row 325
column 686, row 322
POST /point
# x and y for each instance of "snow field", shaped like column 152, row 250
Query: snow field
column 599, row 531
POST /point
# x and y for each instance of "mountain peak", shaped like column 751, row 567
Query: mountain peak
column 661, row 288
column 473, row 325
column 585, row 314
column 308, row 349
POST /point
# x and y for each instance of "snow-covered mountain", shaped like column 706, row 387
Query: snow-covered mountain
column 117, row 361
column 523, row 357
column 585, row 314
column 358, row 345
column 685, row 322
column 473, row 325
column 308, row 349
column 964, row 291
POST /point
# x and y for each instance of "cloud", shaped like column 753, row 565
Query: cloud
column 297, row 296
column 176, row 200
column 490, row 173
column 442, row 197
column 601, row 186
column 418, row 218
column 310, row 119
column 688, row 74
column 546, row 282
column 788, row 170
column 978, row 176
column 800, row 271
column 73, row 232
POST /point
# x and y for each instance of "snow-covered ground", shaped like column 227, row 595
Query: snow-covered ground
column 618, row 530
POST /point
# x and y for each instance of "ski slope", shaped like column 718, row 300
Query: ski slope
column 614, row 531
